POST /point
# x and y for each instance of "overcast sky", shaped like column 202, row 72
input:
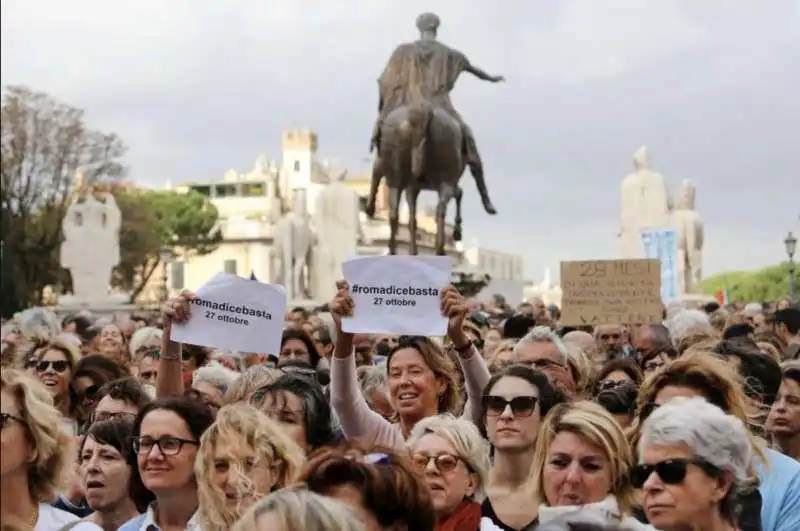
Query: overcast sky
column 196, row 87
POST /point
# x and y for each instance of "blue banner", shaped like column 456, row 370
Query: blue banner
column 662, row 244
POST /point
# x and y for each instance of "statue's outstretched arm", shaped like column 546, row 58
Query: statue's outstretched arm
column 480, row 74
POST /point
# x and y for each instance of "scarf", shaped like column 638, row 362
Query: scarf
column 466, row 518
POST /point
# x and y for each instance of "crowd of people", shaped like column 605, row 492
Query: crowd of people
column 510, row 422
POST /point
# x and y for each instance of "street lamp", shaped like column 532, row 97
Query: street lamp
column 166, row 256
column 791, row 247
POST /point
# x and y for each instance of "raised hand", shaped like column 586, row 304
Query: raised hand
column 178, row 310
column 455, row 307
column 342, row 304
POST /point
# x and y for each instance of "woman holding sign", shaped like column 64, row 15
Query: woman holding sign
column 421, row 377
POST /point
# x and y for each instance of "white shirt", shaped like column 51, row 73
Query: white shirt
column 52, row 519
column 150, row 524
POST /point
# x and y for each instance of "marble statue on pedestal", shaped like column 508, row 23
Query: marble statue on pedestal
column 293, row 242
column 645, row 205
column 90, row 250
column 691, row 237
column 337, row 224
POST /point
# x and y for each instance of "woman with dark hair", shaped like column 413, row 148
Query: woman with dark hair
column 783, row 422
column 104, row 462
column 166, row 437
column 652, row 360
column 383, row 487
column 514, row 403
column 89, row 375
column 296, row 344
column 616, row 371
column 299, row 405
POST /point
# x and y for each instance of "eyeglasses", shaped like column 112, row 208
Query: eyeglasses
column 166, row 445
column 58, row 366
column 671, row 471
column 521, row 406
column 88, row 393
column 5, row 417
column 442, row 462
column 100, row 416
column 542, row 363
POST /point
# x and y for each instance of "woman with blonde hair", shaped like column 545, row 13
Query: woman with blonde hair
column 453, row 458
column 298, row 508
column 582, row 462
column 55, row 362
column 422, row 379
column 243, row 457
column 35, row 452
column 774, row 505
column 255, row 377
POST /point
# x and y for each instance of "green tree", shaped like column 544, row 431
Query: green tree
column 765, row 284
column 44, row 143
column 154, row 219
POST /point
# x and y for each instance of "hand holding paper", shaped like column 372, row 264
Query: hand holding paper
column 455, row 308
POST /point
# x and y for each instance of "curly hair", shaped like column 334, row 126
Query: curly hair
column 53, row 446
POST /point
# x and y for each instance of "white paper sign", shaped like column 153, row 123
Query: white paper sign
column 397, row 294
column 235, row 313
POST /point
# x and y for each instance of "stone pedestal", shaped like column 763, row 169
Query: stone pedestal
column 114, row 304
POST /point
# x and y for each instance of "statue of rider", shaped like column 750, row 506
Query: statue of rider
column 427, row 69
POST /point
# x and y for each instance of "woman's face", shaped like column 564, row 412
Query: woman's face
column 14, row 443
column 148, row 370
column 675, row 506
column 54, row 372
column 446, row 474
column 784, row 417
column 239, row 474
column 86, row 393
column 509, row 430
column 294, row 349
column 617, row 376
column 105, row 475
column 576, row 472
column 160, row 472
column 111, row 340
column 286, row 409
column 656, row 362
column 413, row 387
column 491, row 339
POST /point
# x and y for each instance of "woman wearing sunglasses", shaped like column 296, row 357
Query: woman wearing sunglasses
column 89, row 375
column 453, row 459
column 694, row 462
column 55, row 362
column 514, row 403
column 582, row 463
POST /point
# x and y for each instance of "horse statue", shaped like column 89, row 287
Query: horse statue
column 422, row 141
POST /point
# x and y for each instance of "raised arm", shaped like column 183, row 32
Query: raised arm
column 169, row 381
column 357, row 420
column 480, row 74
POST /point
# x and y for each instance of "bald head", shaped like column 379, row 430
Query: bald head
column 582, row 340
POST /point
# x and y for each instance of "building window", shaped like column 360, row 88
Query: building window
column 297, row 165
column 176, row 275
column 254, row 189
column 230, row 267
column 226, row 190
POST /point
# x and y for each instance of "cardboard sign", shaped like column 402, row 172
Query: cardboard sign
column 235, row 313
column 397, row 294
column 601, row 292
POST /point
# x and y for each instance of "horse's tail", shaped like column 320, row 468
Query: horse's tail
column 420, row 115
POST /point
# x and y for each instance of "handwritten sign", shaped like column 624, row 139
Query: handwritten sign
column 397, row 294
column 601, row 292
column 235, row 313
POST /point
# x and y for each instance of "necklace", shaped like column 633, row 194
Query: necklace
column 34, row 516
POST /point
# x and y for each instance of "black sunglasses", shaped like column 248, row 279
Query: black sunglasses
column 58, row 366
column 90, row 392
column 521, row 406
column 671, row 471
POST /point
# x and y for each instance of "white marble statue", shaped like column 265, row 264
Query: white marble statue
column 645, row 205
column 337, row 223
column 91, row 246
column 293, row 242
column 691, row 237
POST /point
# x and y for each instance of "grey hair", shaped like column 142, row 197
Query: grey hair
column 715, row 437
column 216, row 375
column 329, row 324
column 38, row 325
column 466, row 440
column 299, row 508
column 543, row 334
column 753, row 308
column 686, row 322
column 373, row 379
column 148, row 336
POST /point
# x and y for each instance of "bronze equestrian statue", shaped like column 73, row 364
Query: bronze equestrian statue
column 422, row 142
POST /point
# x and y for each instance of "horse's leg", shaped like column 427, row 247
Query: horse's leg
column 377, row 170
column 457, row 229
column 394, row 218
column 446, row 192
column 411, row 198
